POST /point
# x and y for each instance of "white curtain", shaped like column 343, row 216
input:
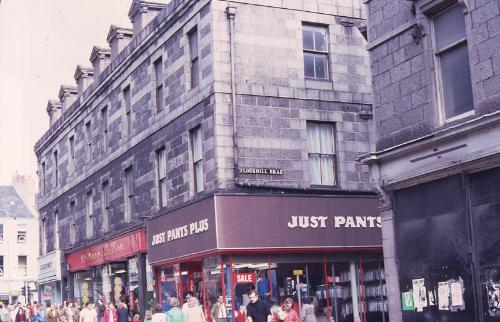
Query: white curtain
column 321, row 153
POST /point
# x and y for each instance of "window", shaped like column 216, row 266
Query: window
column 104, row 129
column 1, row 233
column 158, row 65
column 21, row 233
column 321, row 147
column 315, row 43
column 197, row 152
column 193, row 57
column 71, row 141
column 43, row 236
column 72, row 223
column 105, row 206
column 22, row 265
column 88, row 132
column 2, row 272
column 43, row 178
column 56, row 168
column 89, row 220
column 56, row 229
column 129, row 194
column 162, row 176
column 453, row 62
column 128, row 109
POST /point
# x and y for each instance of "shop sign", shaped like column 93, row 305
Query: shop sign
column 298, row 272
column 268, row 171
column 114, row 249
column 180, row 232
column 337, row 222
column 49, row 267
column 244, row 278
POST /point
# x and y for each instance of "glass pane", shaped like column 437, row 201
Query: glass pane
column 321, row 66
column 455, row 76
column 314, row 169
column 212, row 279
column 158, row 72
column 193, row 44
column 199, row 176
column 313, row 137
column 326, row 138
column 308, row 39
column 195, row 73
column 449, row 27
column 320, row 40
column 309, row 65
column 164, row 194
column 162, row 164
column 196, row 142
column 327, row 170
column 169, row 285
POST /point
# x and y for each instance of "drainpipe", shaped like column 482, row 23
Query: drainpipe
column 231, row 13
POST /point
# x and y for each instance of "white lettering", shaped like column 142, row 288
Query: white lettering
column 360, row 221
column 339, row 221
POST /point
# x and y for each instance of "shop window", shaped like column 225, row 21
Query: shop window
column 22, row 265
column 169, row 285
column 119, row 281
column 193, row 57
column 315, row 46
column 453, row 62
column 128, row 109
column 22, row 233
column 1, row 267
column 197, row 154
column 158, row 67
column 322, row 158
column 162, row 176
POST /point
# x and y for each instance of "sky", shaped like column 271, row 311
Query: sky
column 41, row 42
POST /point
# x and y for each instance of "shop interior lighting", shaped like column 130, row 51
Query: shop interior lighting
column 120, row 271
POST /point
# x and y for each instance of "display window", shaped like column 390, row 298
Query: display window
column 322, row 288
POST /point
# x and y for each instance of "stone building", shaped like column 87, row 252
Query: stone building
column 18, row 241
column 436, row 82
column 229, row 131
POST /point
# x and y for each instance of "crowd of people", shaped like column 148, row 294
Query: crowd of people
column 69, row 311
column 257, row 310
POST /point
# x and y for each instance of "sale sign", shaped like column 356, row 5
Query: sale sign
column 244, row 278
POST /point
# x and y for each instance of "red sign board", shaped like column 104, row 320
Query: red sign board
column 244, row 278
column 118, row 248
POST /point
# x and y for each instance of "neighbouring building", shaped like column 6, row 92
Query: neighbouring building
column 212, row 149
column 18, row 241
column 436, row 81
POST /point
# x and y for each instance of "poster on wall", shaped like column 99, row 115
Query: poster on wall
column 419, row 294
column 457, row 289
column 443, row 296
column 407, row 301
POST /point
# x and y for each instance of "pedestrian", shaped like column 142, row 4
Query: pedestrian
column 136, row 318
column 193, row 312
column 101, row 308
column 307, row 311
column 286, row 313
column 52, row 314
column 21, row 315
column 69, row 313
column 88, row 314
column 158, row 314
column 218, row 313
column 258, row 310
column 148, row 316
column 40, row 314
column 110, row 315
column 4, row 314
column 175, row 313
column 122, row 312
column 241, row 314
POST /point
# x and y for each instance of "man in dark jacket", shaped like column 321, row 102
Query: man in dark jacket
column 122, row 312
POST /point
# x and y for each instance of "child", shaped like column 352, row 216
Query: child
column 241, row 314
column 136, row 318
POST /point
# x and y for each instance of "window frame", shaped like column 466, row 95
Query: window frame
column 194, row 57
column 158, row 74
column 2, row 266
column 1, row 233
column 22, row 270
column 432, row 14
column 105, row 205
column 72, row 222
column 88, row 135
column 43, row 236
column 127, row 104
column 162, row 180
column 326, row 53
column 104, row 129
column 195, row 162
column 22, row 234
column 335, row 170
column 55, row 155
column 89, row 214
column 71, row 142
column 128, row 194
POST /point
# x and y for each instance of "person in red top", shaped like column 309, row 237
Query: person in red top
column 286, row 313
column 110, row 315
column 241, row 314
column 21, row 315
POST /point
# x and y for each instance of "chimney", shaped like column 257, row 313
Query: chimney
column 67, row 95
column 99, row 58
column 54, row 111
column 142, row 12
column 84, row 76
column 118, row 38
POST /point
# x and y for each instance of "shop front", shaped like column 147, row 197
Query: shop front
column 49, row 278
column 322, row 252
column 114, row 271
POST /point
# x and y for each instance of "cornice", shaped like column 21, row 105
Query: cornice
column 99, row 52
column 83, row 72
column 140, row 6
column 118, row 32
column 66, row 90
column 53, row 105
